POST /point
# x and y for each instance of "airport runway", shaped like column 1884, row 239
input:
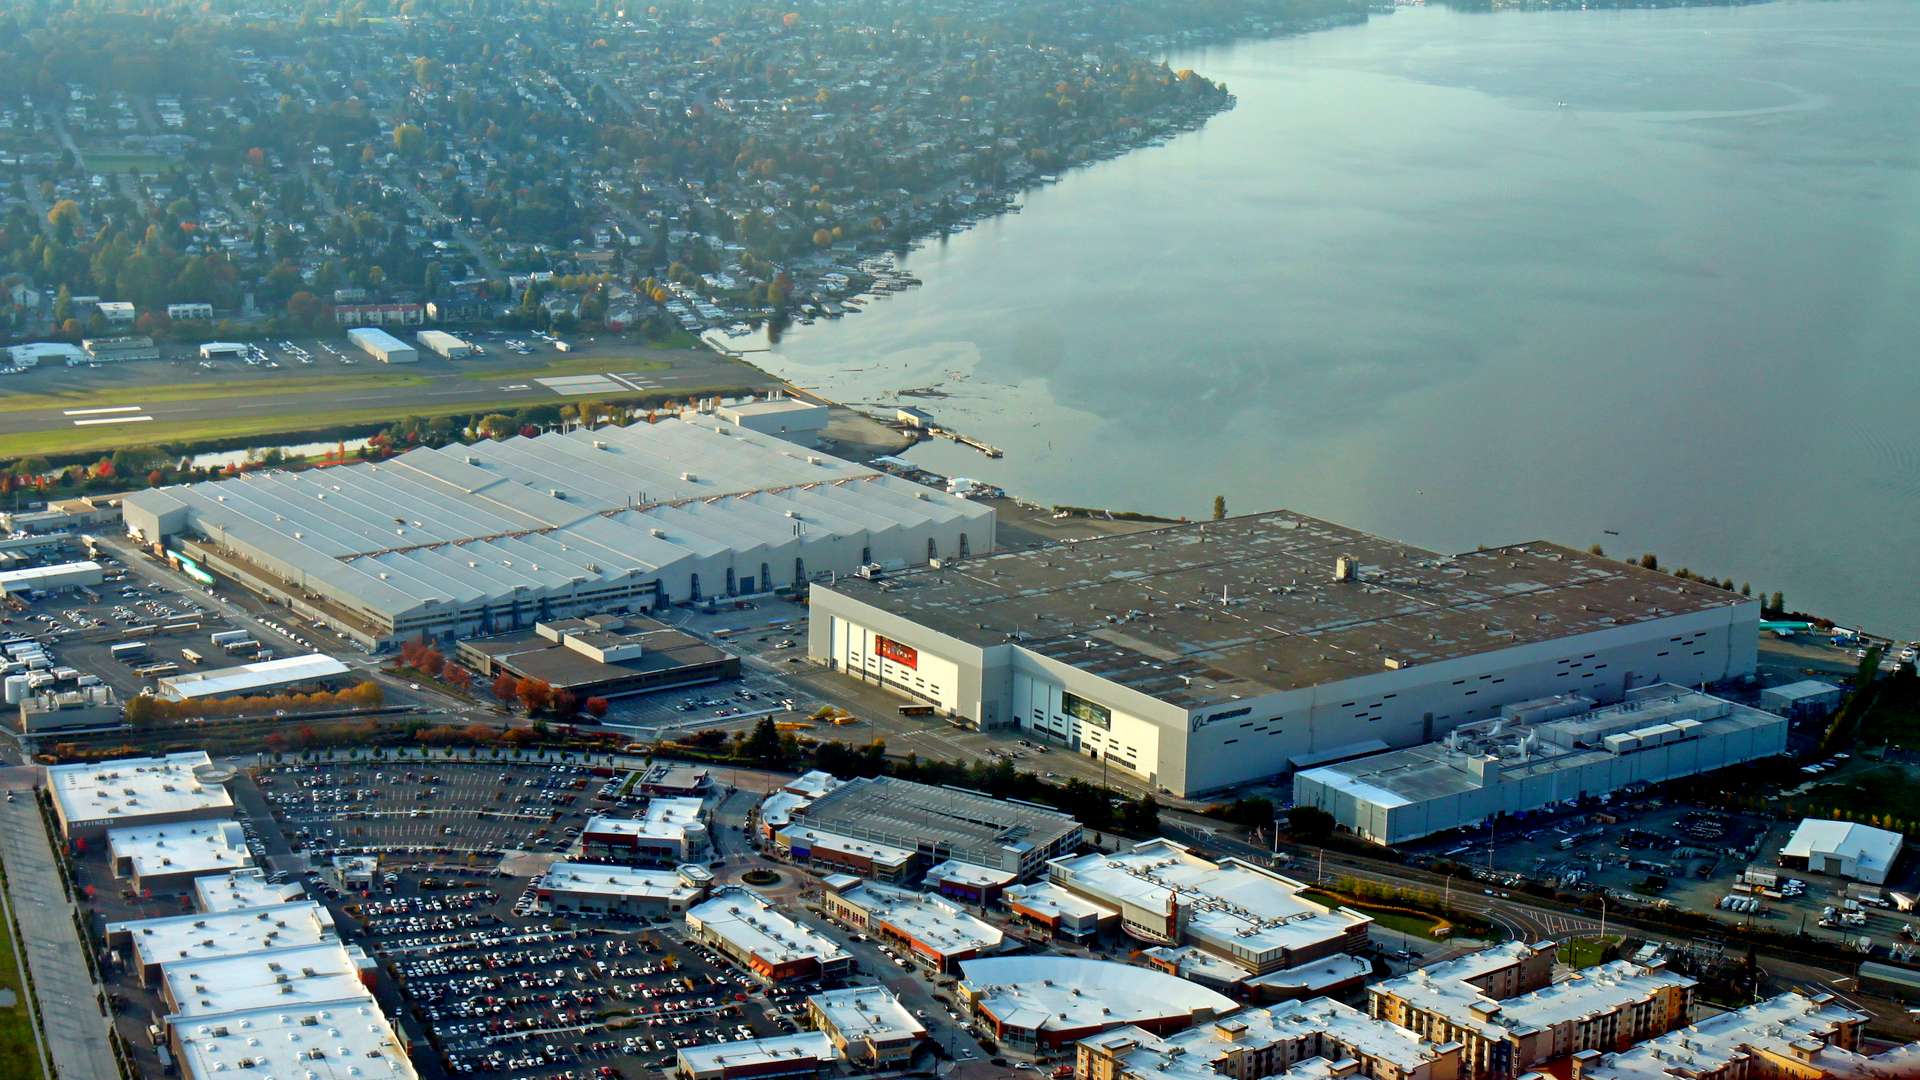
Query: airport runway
column 114, row 399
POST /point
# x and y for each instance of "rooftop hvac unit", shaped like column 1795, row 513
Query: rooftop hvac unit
column 689, row 478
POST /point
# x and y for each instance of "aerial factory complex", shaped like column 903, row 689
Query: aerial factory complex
column 1202, row 656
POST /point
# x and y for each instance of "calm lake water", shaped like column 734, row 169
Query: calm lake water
column 1403, row 286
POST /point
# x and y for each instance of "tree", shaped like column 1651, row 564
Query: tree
column 409, row 139
column 565, row 703
column 1648, row 561
column 596, row 707
column 63, row 304
column 64, row 216
column 505, row 687
column 1219, row 507
column 763, row 745
column 1309, row 823
column 535, row 694
column 1779, row 606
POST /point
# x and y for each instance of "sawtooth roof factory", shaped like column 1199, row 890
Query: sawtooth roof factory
column 1536, row 754
column 1206, row 655
column 497, row 536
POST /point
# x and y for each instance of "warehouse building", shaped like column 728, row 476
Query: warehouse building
column 1537, row 754
column 1268, row 1042
column 190, row 311
column 1807, row 1037
column 444, row 345
column 868, row 1025
column 782, row 417
column 1201, row 656
column 668, row 831
column 1842, row 849
column 626, row 891
column 91, row 797
column 1806, row 698
column 601, row 656
column 1040, row 1005
column 809, row 1053
column 223, row 350
column 929, row 824
column 167, row 858
column 742, row 925
column 1608, row 1006
column 498, row 536
column 382, row 346
column 312, row 671
column 72, row 575
column 1202, row 912
column 113, row 350
column 74, row 709
column 935, row 932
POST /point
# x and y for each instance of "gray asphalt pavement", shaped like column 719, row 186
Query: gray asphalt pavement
column 69, row 1001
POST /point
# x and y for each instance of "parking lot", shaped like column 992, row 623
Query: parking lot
column 435, row 872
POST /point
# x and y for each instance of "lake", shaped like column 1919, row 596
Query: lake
column 1463, row 279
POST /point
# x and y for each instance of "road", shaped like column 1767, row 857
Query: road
column 70, row 1002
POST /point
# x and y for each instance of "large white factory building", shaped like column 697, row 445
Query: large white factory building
column 1202, row 656
column 497, row 536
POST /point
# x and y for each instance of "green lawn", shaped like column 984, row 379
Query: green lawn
column 1420, row 926
column 16, row 1023
column 1586, row 952
column 119, row 161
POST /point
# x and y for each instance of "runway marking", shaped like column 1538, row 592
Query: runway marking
column 97, row 412
column 581, row 385
column 112, row 420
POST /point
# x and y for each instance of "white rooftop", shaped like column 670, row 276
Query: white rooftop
column 1046, row 899
column 928, row 919
column 1047, row 992
column 247, row 678
column 14, row 580
column 1316, row 976
column 334, row 1041
column 663, row 819
column 130, row 789
column 1805, row 688
column 181, row 847
column 777, row 809
column 1190, row 1054
column 194, row 937
column 1232, row 905
column 744, row 917
column 1772, row 1025
column 307, row 975
column 807, row 1045
column 966, row 873
column 238, row 889
column 868, row 1012
column 806, row 836
column 594, row 878
column 812, row 784
column 1872, row 849
column 1596, row 990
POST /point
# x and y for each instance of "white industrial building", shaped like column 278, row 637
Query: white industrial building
column 1536, row 754
column 443, row 344
column 190, row 311
column 312, row 669
column 1202, row 656
column 35, row 353
column 382, row 346
column 1842, row 849
column 782, row 417
column 497, row 536
column 50, row 578
column 91, row 797
column 216, row 350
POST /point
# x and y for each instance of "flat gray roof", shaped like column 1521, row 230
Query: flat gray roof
column 1201, row 613
column 964, row 825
